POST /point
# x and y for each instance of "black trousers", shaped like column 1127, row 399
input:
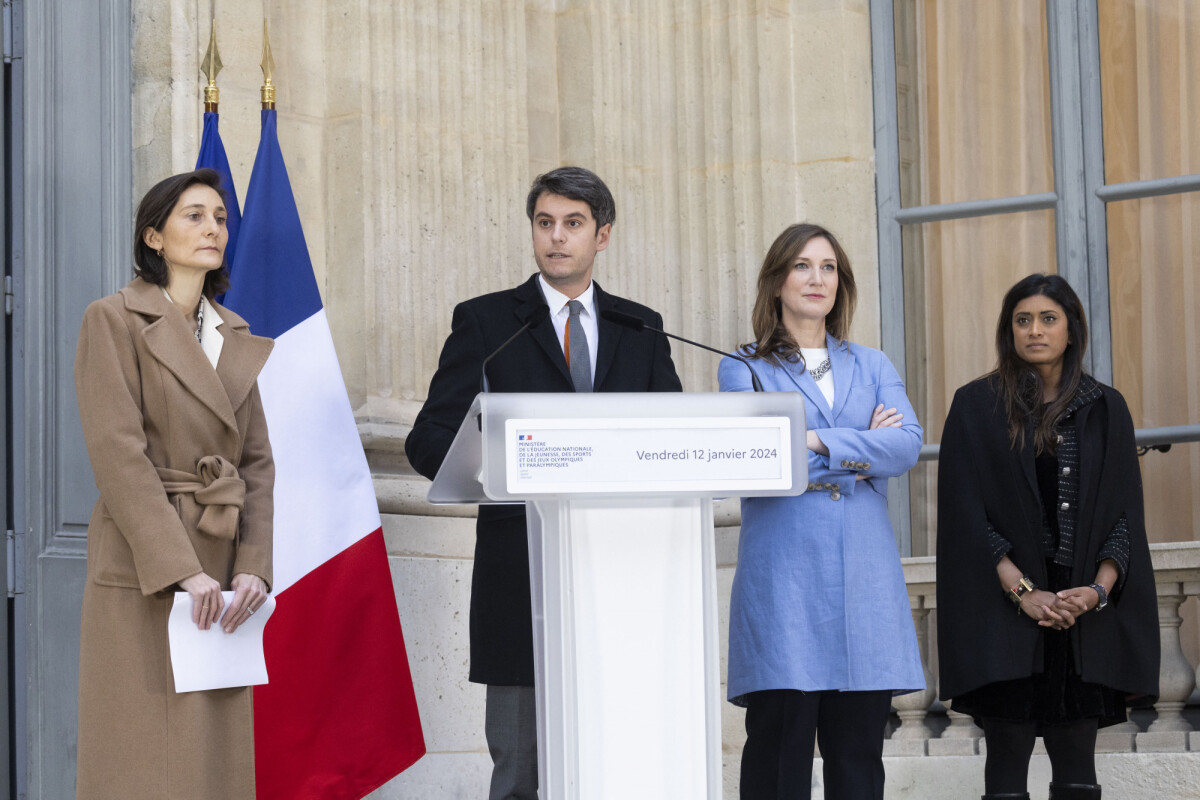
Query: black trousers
column 782, row 726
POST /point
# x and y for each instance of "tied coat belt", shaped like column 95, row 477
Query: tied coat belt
column 216, row 488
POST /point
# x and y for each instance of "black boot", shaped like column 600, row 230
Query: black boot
column 1074, row 791
column 1008, row 796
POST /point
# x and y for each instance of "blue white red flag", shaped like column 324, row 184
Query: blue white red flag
column 339, row 717
column 212, row 155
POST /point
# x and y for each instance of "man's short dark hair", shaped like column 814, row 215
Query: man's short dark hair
column 575, row 183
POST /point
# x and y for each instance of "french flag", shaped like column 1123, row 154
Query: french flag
column 212, row 155
column 338, row 718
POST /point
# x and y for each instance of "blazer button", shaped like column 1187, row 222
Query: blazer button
column 845, row 463
column 1066, row 471
column 1059, row 438
column 836, row 494
column 866, row 465
column 1065, row 506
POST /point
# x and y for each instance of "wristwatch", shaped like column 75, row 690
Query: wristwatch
column 1023, row 587
column 1103, row 597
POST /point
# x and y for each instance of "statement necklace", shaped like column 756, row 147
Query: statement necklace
column 817, row 373
column 199, row 319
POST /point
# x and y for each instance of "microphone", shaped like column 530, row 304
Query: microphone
column 638, row 324
column 539, row 314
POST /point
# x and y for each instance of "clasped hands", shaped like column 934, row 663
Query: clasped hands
column 250, row 592
column 1059, row 610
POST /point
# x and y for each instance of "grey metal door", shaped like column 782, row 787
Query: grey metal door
column 76, row 156
column 7, row 180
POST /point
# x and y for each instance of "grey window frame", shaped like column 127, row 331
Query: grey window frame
column 1079, row 198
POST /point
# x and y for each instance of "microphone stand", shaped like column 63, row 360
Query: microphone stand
column 639, row 324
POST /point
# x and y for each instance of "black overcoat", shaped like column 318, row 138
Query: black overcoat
column 981, row 479
column 626, row 361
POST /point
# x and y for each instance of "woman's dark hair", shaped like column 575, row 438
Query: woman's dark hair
column 153, row 212
column 772, row 342
column 575, row 183
column 1020, row 383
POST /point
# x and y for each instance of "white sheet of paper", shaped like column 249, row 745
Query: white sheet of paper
column 214, row 659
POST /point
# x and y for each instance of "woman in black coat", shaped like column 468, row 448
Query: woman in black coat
column 1046, row 602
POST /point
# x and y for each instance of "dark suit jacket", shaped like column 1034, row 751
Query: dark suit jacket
column 982, row 480
column 626, row 361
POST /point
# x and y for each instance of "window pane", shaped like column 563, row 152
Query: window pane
column 973, row 98
column 1154, row 291
column 1150, row 84
column 955, row 276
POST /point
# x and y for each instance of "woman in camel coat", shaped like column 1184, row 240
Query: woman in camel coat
column 166, row 382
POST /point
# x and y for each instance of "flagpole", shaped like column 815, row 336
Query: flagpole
column 212, row 149
column 210, row 66
column 268, row 68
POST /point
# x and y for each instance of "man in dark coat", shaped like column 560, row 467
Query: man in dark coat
column 571, row 212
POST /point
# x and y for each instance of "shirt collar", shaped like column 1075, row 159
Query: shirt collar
column 556, row 300
column 211, row 318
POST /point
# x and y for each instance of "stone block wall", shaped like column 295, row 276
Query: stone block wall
column 412, row 130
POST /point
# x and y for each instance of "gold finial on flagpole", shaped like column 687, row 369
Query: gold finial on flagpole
column 210, row 66
column 268, row 68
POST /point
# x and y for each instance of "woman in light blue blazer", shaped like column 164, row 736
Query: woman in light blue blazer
column 820, row 632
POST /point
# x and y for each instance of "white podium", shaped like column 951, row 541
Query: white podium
column 618, row 489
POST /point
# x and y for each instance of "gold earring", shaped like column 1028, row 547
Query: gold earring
column 160, row 252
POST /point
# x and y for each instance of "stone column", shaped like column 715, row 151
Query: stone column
column 1176, row 677
column 911, row 737
column 961, row 736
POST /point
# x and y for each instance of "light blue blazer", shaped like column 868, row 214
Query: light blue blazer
column 819, row 600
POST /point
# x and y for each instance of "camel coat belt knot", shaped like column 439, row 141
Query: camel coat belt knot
column 215, row 487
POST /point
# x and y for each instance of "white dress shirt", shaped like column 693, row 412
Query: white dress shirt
column 559, row 314
column 211, row 339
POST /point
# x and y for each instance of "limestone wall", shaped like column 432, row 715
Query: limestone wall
column 412, row 130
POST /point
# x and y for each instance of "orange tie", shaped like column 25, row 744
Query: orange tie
column 567, row 344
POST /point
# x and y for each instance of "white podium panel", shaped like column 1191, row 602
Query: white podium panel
column 626, row 648
column 622, row 567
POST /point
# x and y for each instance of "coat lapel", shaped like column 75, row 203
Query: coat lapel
column 1031, row 499
column 174, row 345
column 808, row 387
column 842, row 362
column 1091, row 455
column 242, row 358
column 843, row 372
column 529, row 296
column 610, row 334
